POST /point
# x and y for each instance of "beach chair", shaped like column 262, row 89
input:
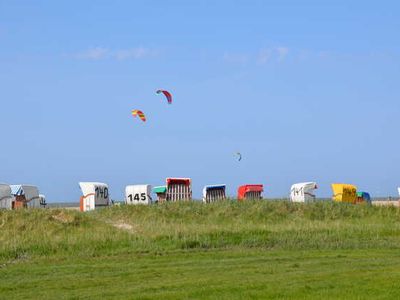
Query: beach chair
column 250, row 192
column 344, row 193
column 303, row 192
column 138, row 194
column 179, row 189
column 213, row 193
column 95, row 195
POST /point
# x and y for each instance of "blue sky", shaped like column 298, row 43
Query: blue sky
column 305, row 90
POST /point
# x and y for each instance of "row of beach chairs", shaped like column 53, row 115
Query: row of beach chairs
column 96, row 194
column 20, row 196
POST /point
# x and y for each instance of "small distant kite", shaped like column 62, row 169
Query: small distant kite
column 139, row 113
column 166, row 94
column 239, row 155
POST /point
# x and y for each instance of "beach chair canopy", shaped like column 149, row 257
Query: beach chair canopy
column 343, row 192
column 252, row 191
column 364, row 196
column 30, row 192
column 303, row 191
column 185, row 181
column 213, row 187
column 96, row 190
column 160, row 189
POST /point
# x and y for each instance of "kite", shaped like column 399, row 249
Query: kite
column 239, row 156
column 140, row 114
column 166, row 94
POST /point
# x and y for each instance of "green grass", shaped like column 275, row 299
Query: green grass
column 227, row 250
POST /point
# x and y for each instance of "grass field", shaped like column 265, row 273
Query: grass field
column 230, row 250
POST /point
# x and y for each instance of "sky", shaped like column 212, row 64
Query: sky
column 305, row 90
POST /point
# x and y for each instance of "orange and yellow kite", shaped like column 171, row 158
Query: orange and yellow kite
column 139, row 113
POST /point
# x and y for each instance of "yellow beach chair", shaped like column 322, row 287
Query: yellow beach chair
column 344, row 193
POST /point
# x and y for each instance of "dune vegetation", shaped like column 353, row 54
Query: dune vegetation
column 226, row 250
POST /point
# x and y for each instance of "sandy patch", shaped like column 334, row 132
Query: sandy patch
column 123, row 226
column 386, row 203
column 63, row 218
